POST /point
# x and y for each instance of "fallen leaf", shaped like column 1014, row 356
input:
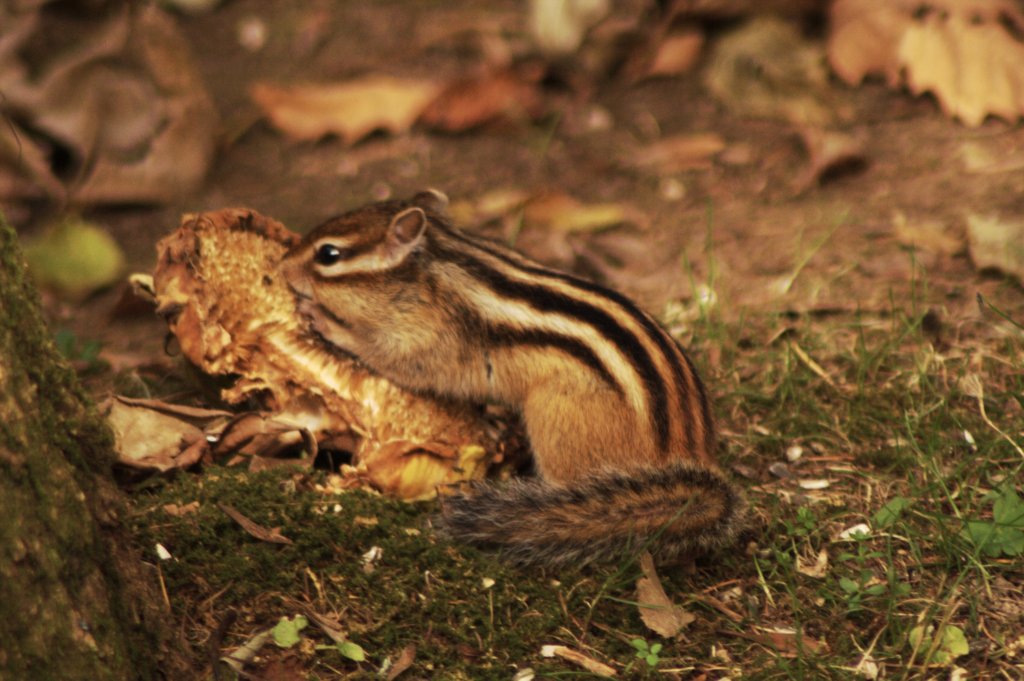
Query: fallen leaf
column 559, row 26
column 677, row 153
column 270, row 535
column 562, row 213
column 577, row 658
column 512, row 94
column 496, row 203
column 197, row 416
column 817, row 569
column 150, row 439
column 74, row 258
column 972, row 67
column 997, row 243
column 121, row 97
column 248, row 651
column 261, row 435
column 351, row 110
column 787, row 642
column 403, row 470
column 401, row 663
column 965, row 52
column 990, row 157
column 864, row 38
column 929, row 235
column 657, row 610
column 329, row 624
column 677, row 52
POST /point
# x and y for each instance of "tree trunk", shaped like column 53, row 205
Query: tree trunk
column 73, row 600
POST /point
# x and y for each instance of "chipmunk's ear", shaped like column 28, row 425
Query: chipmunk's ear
column 433, row 200
column 407, row 227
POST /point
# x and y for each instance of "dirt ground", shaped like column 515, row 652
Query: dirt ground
column 829, row 248
column 749, row 231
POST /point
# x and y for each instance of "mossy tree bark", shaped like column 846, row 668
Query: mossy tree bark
column 71, row 605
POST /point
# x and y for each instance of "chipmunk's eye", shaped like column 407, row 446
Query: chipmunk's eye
column 329, row 254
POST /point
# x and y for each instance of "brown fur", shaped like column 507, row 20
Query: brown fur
column 617, row 418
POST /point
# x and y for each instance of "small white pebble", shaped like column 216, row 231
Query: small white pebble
column 859, row 528
column 598, row 119
column 671, row 189
column 794, row 452
column 814, row 483
column 252, row 33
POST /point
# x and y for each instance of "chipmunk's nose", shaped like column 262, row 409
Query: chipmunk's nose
column 295, row 274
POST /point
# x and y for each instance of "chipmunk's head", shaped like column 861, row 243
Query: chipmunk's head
column 348, row 267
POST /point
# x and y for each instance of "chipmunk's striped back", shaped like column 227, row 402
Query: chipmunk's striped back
column 644, row 362
column 603, row 390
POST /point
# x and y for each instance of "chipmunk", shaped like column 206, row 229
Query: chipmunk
column 617, row 419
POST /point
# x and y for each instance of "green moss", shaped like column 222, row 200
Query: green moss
column 422, row 590
column 61, row 450
column 891, row 425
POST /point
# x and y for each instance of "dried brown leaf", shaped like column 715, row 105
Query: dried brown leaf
column 124, row 96
column 816, row 569
column 271, row 535
column 402, row 662
column 578, row 658
column 965, row 52
column 152, row 438
column 470, row 102
column 786, row 642
column 677, row 53
column 679, row 152
column 657, row 610
column 929, row 235
column 864, row 39
column 261, row 435
column 562, row 213
column 997, row 243
column 352, row 110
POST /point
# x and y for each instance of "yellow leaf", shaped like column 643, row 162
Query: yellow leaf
column 351, row 110
column 965, row 52
column 562, row 213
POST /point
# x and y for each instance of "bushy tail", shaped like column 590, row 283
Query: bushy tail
column 680, row 509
